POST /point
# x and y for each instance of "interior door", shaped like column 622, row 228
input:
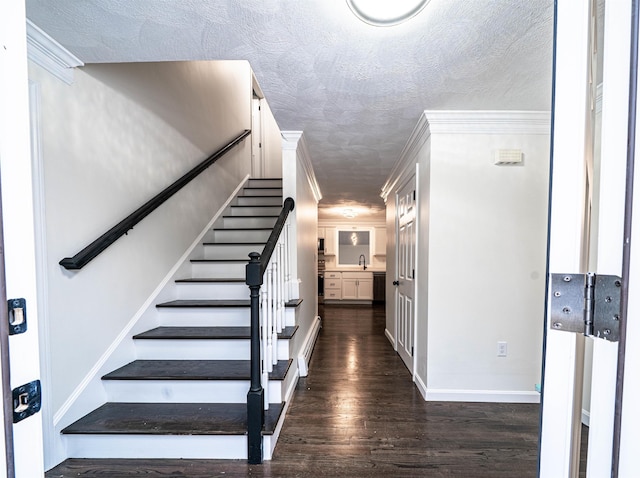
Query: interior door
column 405, row 281
column 587, row 220
column 257, row 157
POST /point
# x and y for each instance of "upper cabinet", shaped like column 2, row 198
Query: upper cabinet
column 329, row 241
column 380, row 243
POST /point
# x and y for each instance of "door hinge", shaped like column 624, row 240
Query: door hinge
column 412, row 350
column 27, row 400
column 414, row 194
column 586, row 303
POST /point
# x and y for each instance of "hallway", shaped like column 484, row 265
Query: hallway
column 357, row 414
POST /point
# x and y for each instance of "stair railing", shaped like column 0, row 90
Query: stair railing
column 91, row 251
column 270, row 268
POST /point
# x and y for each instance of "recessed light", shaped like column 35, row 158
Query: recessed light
column 386, row 13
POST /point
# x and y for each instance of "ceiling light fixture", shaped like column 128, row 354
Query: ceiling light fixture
column 349, row 213
column 385, row 13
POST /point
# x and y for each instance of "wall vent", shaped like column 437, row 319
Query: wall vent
column 508, row 156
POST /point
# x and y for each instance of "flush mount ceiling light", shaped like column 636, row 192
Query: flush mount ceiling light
column 385, row 13
column 349, row 213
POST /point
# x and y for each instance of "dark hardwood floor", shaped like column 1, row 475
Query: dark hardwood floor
column 358, row 414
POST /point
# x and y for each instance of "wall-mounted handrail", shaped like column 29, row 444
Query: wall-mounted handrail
column 255, row 271
column 116, row 232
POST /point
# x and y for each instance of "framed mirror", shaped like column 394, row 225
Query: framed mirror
column 354, row 247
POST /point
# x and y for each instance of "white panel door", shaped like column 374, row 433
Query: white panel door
column 406, row 251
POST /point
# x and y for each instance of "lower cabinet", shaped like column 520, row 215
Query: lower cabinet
column 357, row 286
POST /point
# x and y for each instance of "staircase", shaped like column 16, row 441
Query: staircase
column 185, row 395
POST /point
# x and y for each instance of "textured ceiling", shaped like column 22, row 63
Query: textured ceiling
column 355, row 90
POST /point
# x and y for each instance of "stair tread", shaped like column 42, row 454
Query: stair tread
column 195, row 303
column 234, row 243
column 211, row 280
column 192, row 370
column 201, row 261
column 270, row 216
column 166, row 332
column 171, row 419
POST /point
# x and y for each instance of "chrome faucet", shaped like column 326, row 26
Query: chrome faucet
column 362, row 261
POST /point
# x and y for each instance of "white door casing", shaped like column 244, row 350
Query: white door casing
column 406, row 264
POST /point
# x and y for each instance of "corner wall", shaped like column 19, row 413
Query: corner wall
column 487, row 243
column 299, row 182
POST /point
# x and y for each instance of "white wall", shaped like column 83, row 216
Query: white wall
column 300, row 183
column 481, row 253
column 112, row 140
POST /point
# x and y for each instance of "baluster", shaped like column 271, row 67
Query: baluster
column 281, row 286
column 269, row 317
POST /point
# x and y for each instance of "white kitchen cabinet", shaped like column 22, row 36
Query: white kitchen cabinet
column 321, row 233
column 330, row 241
column 357, row 286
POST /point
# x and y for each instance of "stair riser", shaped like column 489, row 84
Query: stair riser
column 265, row 183
column 204, row 317
column 255, row 211
column 224, row 447
column 259, row 201
column 212, row 290
column 183, row 391
column 262, row 192
column 218, row 270
column 216, row 251
column 201, row 349
column 248, row 222
column 224, row 235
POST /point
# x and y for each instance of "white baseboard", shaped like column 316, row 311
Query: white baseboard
column 422, row 387
column 492, row 396
column 90, row 388
column 586, row 417
column 307, row 347
column 391, row 339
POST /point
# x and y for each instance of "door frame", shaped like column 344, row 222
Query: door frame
column 18, row 223
column 563, row 352
column 412, row 176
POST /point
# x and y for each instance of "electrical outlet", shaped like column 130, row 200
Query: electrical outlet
column 502, row 349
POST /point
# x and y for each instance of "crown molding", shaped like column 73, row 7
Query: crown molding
column 489, row 122
column 49, row 54
column 408, row 156
column 294, row 141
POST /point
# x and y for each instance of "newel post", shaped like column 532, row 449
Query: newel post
column 255, row 397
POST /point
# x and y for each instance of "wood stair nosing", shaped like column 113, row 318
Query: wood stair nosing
column 193, row 370
column 200, row 303
column 213, row 280
column 207, row 333
column 119, row 418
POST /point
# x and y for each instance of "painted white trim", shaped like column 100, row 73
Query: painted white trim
column 294, row 141
column 489, row 122
column 422, row 387
column 408, row 157
column 489, row 396
column 586, row 417
column 126, row 331
column 390, row 338
column 308, row 346
column 50, row 55
column 50, row 437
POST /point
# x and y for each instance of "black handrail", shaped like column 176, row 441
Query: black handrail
column 83, row 257
column 255, row 398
